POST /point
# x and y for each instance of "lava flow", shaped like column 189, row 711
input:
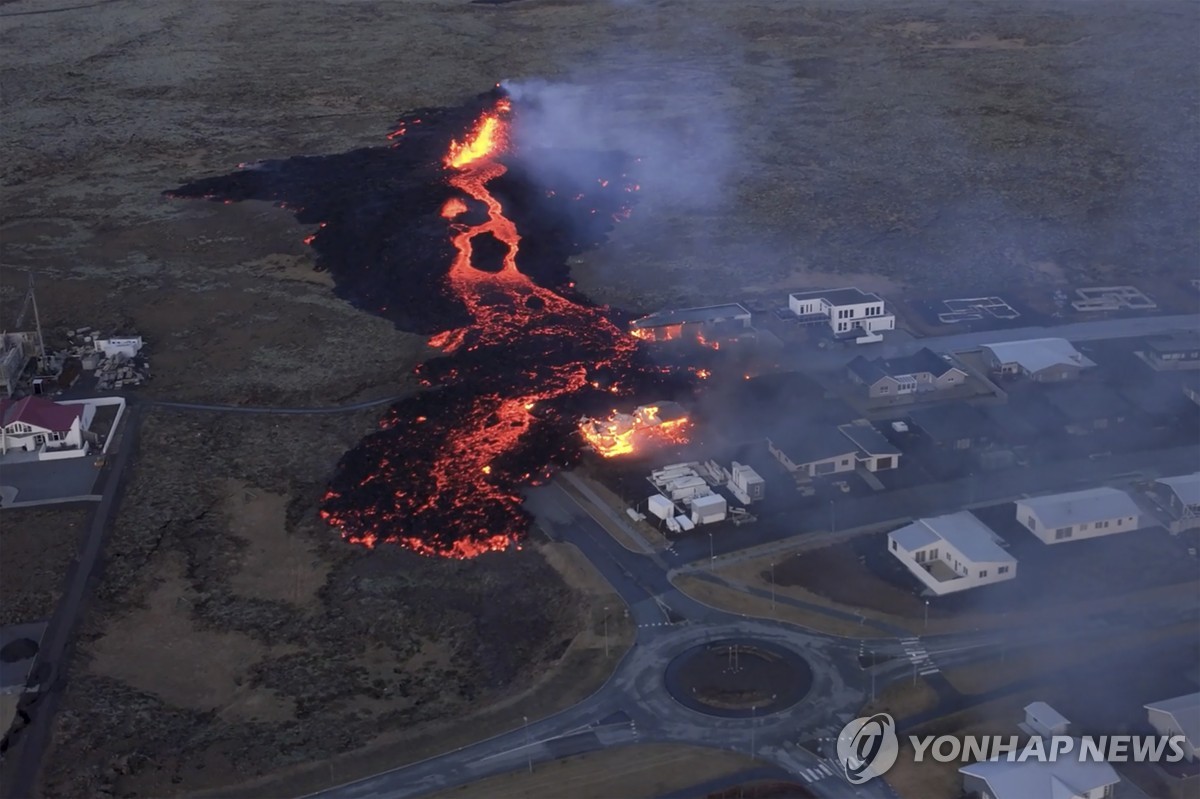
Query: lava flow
column 466, row 239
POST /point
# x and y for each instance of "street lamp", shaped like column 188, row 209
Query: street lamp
column 832, row 517
column 712, row 555
column 772, row 586
column 528, row 749
column 926, row 615
column 606, row 631
column 872, row 675
column 753, row 727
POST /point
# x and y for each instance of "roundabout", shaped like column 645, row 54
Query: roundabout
column 738, row 678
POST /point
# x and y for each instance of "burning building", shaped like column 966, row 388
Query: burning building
column 707, row 325
column 625, row 433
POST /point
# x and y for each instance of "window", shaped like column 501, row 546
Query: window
column 920, row 556
column 1031, row 523
column 983, row 573
column 894, row 547
column 885, row 388
column 1061, row 533
column 933, row 553
column 1101, row 525
column 845, row 461
column 1002, row 570
column 1119, row 521
column 1082, row 526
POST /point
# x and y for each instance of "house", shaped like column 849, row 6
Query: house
column 952, row 553
column 818, row 451
column 955, row 425
column 1181, row 495
column 1088, row 408
column 674, row 324
column 34, row 424
column 814, row 452
column 1079, row 514
column 1178, row 716
column 1191, row 390
column 15, row 353
column 1065, row 778
column 871, row 448
column 1043, row 360
column 1180, row 350
column 923, row 371
column 847, row 311
column 1044, row 721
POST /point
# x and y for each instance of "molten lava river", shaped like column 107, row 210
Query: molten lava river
column 453, row 231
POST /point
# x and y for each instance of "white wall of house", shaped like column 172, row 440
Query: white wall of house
column 834, row 465
column 1090, row 529
column 870, row 317
column 1165, row 724
column 971, row 574
column 880, row 463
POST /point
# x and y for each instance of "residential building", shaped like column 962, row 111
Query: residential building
column 952, row 553
column 672, row 324
column 1181, row 495
column 849, row 312
column 814, row 452
column 1079, row 514
column 1044, row 721
column 34, row 424
column 1180, row 350
column 1178, row 716
column 923, row 371
column 818, row 450
column 955, row 425
column 1087, row 408
column 16, row 350
column 1191, row 390
column 1065, row 778
column 1043, row 360
column 872, row 450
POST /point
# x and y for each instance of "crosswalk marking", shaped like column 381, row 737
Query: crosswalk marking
column 657, row 624
column 920, row 658
column 824, row 768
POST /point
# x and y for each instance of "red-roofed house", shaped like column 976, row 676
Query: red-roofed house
column 35, row 424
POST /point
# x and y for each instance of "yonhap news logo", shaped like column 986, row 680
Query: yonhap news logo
column 867, row 747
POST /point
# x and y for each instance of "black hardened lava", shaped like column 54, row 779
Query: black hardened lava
column 530, row 354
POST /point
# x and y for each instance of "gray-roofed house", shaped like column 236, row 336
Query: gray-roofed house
column 1079, row 514
column 1064, row 778
column 813, row 452
column 955, row 425
column 1088, row 408
column 1179, row 350
column 1178, row 716
column 1043, row 720
column 819, row 450
column 1043, row 360
column 1181, row 495
column 923, row 371
column 952, row 553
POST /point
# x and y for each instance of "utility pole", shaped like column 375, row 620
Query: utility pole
column 528, row 748
column 712, row 555
column 606, row 631
column 926, row 615
column 872, row 675
column 772, row 587
column 832, row 517
column 753, row 728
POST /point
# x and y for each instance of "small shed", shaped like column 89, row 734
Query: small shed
column 660, row 506
column 709, row 508
column 1045, row 721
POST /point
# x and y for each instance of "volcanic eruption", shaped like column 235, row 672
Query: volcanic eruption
column 448, row 232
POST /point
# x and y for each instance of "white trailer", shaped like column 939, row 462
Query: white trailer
column 660, row 506
column 684, row 523
column 686, row 488
column 748, row 483
column 709, row 509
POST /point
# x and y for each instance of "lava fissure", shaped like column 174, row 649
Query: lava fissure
column 521, row 357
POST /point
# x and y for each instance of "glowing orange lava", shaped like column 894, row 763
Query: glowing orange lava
column 626, row 433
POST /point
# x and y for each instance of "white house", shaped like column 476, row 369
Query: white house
column 1044, row 360
column 1182, row 497
column 1178, row 716
column 820, row 451
column 1079, row 514
column 1044, row 721
column 952, row 553
column 1065, row 778
column 847, row 311
column 34, row 424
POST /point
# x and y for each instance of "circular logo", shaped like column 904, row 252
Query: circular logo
column 867, row 747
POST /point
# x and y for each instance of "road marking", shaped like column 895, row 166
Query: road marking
column 824, row 768
column 809, row 777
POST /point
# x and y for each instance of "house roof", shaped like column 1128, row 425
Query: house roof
column 708, row 313
column 973, row 539
column 1186, row 712
column 868, row 440
column 39, row 412
column 952, row 421
column 1032, row 779
column 843, row 296
column 811, row 444
column 1185, row 486
column 1087, row 402
column 923, row 360
column 1036, row 354
column 1183, row 341
column 1046, row 715
column 1094, row 504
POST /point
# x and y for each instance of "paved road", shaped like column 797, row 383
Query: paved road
column 27, row 745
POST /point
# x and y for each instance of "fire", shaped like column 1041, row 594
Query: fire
column 625, row 433
column 703, row 374
column 712, row 345
column 454, row 207
column 487, row 138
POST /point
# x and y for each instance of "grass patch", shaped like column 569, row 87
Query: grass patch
column 903, row 698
